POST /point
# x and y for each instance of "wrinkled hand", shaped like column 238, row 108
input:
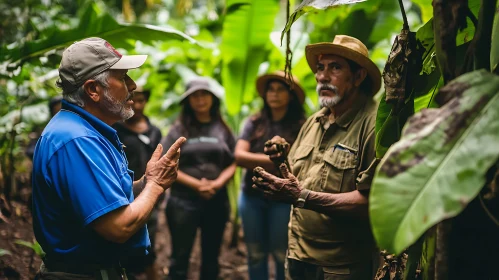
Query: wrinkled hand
column 286, row 189
column 277, row 149
column 163, row 170
column 207, row 189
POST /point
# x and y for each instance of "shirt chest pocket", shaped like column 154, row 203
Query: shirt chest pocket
column 341, row 170
column 302, row 160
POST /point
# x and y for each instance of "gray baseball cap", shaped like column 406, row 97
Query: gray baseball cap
column 86, row 58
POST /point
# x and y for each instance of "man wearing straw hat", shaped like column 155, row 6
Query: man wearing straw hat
column 332, row 163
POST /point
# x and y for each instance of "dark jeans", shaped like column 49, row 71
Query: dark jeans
column 265, row 226
column 184, row 217
column 298, row 270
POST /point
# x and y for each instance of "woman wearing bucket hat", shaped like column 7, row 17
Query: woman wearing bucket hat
column 264, row 221
column 198, row 198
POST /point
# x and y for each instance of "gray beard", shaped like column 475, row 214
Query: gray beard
column 116, row 107
column 329, row 102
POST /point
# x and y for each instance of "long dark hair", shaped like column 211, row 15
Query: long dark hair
column 187, row 119
column 294, row 118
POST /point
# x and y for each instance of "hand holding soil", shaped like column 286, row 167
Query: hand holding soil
column 277, row 149
column 286, row 189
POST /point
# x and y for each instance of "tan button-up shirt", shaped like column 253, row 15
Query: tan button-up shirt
column 338, row 159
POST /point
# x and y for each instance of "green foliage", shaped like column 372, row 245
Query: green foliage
column 35, row 246
column 439, row 164
column 413, row 259
column 22, row 20
column 245, row 45
column 427, row 261
column 93, row 23
column 4, row 252
column 425, row 84
column 313, row 5
column 426, row 9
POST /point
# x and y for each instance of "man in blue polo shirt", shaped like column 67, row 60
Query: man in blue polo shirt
column 85, row 216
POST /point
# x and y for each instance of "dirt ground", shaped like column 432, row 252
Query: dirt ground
column 232, row 261
column 22, row 263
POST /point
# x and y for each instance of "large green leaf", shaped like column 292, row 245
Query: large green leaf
column 426, row 9
column 313, row 5
column 93, row 23
column 439, row 164
column 245, row 45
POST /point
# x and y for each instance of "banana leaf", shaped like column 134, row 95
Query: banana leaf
column 439, row 164
column 93, row 23
column 245, row 45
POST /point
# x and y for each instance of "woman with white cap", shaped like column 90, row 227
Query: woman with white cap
column 198, row 198
column 265, row 223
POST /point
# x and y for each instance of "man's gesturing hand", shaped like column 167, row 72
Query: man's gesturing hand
column 286, row 189
column 162, row 170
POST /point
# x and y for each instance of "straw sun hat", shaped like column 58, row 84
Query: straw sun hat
column 350, row 48
column 262, row 82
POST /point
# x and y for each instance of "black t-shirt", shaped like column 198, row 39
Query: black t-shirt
column 257, row 146
column 208, row 151
column 138, row 147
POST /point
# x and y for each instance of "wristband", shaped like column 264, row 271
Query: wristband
column 300, row 202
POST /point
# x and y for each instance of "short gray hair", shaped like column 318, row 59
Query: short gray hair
column 76, row 96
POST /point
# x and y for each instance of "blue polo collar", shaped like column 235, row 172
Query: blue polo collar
column 104, row 129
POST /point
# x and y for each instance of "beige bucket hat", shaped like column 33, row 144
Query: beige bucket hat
column 262, row 81
column 350, row 48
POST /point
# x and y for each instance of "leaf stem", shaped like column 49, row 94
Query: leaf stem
column 404, row 16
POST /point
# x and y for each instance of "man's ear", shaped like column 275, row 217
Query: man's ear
column 360, row 76
column 92, row 90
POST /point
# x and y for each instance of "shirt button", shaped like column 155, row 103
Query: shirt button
column 317, row 160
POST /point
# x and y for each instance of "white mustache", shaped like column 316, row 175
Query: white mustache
column 330, row 87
